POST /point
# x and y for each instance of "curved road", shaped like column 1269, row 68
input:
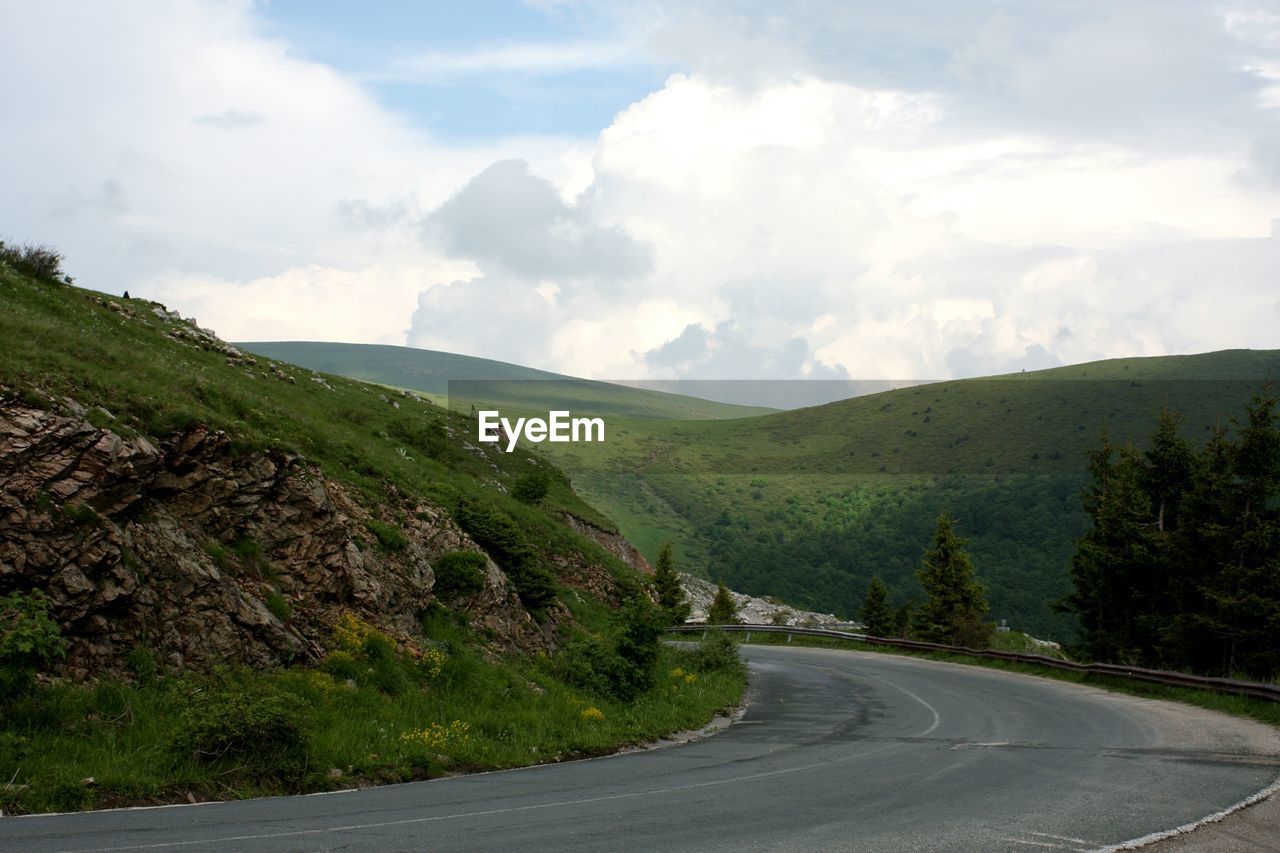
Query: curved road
column 838, row 751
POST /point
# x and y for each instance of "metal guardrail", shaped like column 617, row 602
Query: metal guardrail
column 1257, row 690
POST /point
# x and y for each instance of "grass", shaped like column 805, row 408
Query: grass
column 131, row 373
column 1240, row 706
column 138, row 371
column 469, row 714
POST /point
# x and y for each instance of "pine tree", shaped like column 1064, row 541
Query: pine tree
column 956, row 600
column 671, row 597
column 1248, row 588
column 877, row 613
column 723, row 610
column 1113, row 563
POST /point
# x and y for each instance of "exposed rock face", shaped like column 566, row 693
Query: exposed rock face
column 614, row 543
column 757, row 611
column 179, row 546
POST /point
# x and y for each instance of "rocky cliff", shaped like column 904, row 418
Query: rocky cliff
column 203, row 555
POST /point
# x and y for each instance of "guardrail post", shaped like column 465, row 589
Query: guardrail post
column 748, row 637
column 788, row 636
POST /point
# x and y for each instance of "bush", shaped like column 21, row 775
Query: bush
column 459, row 573
column 621, row 667
column 29, row 638
column 499, row 534
column 718, row 652
column 262, row 731
column 389, row 536
column 35, row 260
column 532, row 486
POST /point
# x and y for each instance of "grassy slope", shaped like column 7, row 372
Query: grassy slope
column 498, row 382
column 808, row 504
column 58, row 341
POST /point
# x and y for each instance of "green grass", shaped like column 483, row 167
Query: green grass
column 510, row 714
column 136, row 372
column 128, row 373
column 1240, row 706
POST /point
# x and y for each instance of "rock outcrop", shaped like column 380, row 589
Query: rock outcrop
column 205, row 555
column 757, row 611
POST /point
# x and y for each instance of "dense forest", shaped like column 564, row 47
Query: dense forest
column 1181, row 566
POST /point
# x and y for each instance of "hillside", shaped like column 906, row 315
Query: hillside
column 238, row 577
column 808, row 504
column 494, row 382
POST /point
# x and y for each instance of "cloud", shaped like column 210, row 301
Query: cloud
column 910, row 190
column 232, row 119
column 729, row 352
column 508, row 218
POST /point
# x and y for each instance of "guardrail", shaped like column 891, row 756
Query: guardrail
column 1257, row 690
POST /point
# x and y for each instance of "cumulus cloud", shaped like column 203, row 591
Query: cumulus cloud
column 854, row 188
column 508, row 218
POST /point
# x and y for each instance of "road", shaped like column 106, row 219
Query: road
column 838, row 751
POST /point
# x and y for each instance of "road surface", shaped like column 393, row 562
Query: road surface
column 837, row 751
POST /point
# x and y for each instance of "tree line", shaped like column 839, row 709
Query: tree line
column 1181, row 567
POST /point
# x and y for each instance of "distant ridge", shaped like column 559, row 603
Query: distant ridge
column 431, row 371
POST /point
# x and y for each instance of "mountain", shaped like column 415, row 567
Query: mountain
column 807, row 505
column 496, row 382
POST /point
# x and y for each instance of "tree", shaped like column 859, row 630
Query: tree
column 956, row 600
column 671, row 596
column 723, row 610
column 532, row 486
column 877, row 613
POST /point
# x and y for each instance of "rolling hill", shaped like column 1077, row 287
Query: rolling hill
column 495, row 382
column 807, row 504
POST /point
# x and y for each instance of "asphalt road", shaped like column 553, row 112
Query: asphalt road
column 838, row 751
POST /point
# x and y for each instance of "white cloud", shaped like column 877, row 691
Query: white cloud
column 891, row 192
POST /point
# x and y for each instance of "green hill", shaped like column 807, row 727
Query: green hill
column 808, row 504
column 250, row 578
column 495, row 382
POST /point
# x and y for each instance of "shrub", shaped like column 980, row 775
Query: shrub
column 532, row 486
column 29, row 638
column 499, row 534
column 390, row 537
column 279, row 606
column 37, row 261
column 621, row 667
column 260, row 730
column 460, row 573
column 718, row 652
column 141, row 661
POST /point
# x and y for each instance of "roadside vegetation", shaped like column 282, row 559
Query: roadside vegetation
column 372, row 708
column 370, row 713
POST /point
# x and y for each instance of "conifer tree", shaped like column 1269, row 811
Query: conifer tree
column 671, row 597
column 877, row 613
column 956, row 600
column 723, row 610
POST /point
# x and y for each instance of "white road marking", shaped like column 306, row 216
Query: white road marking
column 1152, row 838
column 1063, row 838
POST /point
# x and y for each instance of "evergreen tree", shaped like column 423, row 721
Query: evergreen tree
column 877, row 613
column 1113, row 563
column 723, row 610
column 1247, row 591
column 671, row 596
column 956, row 600
column 1181, row 567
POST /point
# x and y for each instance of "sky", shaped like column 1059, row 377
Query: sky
column 671, row 189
